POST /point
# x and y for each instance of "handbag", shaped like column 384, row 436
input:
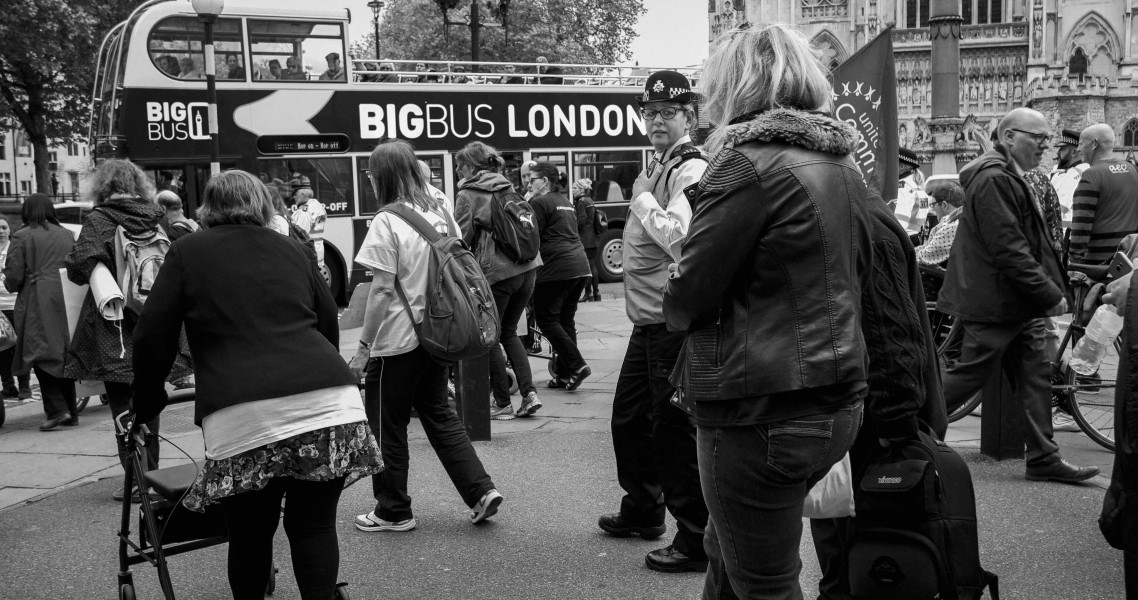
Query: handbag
column 7, row 333
column 832, row 497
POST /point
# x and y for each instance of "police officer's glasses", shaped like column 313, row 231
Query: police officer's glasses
column 667, row 113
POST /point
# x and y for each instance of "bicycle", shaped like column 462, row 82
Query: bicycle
column 1088, row 400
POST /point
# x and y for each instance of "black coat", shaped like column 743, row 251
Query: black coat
column 260, row 320
column 769, row 281
column 34, row 259
column 1003, row 266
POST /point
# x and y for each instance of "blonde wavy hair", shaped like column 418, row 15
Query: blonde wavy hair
column 755, row 70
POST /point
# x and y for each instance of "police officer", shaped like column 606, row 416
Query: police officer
column 1068, row 169
column 912, row 205
column 309, row 215
column 654, row 442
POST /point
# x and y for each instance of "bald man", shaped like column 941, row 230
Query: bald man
column 1004, row 279
column 1105, row 205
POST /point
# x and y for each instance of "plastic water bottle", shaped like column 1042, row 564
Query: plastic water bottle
column 1101, row 333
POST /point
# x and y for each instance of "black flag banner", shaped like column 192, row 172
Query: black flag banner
column 865, row 96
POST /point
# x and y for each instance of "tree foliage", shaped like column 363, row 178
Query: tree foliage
column 565, row 31
column 47, row 67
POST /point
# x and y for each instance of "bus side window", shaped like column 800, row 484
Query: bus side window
column 177, row 50
column 297, row 51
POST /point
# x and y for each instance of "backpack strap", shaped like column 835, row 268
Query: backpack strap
column 686, row 152
column 416, row 221
column 428, row 232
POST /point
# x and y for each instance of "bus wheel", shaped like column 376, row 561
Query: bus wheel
column 333, row 273
column 610, row 256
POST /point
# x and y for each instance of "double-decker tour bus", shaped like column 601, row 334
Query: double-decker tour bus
column 285, row 110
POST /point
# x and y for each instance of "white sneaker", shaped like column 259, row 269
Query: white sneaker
column 486, row 507
column 370, row 522
column 529, row 405
column 1061, row 421
column 501, row 413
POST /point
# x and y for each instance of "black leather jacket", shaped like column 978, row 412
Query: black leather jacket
column 769, row 282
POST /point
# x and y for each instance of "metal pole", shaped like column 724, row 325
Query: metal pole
column 375, row 19
column 211, row 96
column 474, row 27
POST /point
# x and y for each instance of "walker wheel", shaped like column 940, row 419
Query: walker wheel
column 126, row 592
column 551, row 366
column 81, row 404
column 272, row 585
column 513, row 380
column 342, row 592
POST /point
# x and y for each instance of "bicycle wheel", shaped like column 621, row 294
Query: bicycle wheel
column 1090, row 399
column 948, row 335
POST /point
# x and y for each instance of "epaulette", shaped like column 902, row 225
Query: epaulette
column 685, row 152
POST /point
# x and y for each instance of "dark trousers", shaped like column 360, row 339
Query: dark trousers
column 655, row 444
column 58, row 394
column 555, row 308
column 310, row 524
column 511, row 297
column 595, row 278
column 118, row 398
column 1021, row 348
column 393, row 385
column 755, row 479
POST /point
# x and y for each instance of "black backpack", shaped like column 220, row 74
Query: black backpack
column 915, row 532
column 513, row 226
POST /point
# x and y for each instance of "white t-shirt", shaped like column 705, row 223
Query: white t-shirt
column 393, row 246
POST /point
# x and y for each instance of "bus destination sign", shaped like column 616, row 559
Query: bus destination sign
column 331, row 143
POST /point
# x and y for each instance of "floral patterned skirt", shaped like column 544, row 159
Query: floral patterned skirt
column 318, row 455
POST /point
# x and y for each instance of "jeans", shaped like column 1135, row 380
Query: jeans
column 119, row 397
column 393, row 385
column 755, row 479
column 310, row 523
column 1021, row 348
column 654, row 442
column 58, row 394
column 511, row 296
column 555, row 307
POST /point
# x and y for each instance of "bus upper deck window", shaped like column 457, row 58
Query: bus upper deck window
column 297, row 51
column 176, row 47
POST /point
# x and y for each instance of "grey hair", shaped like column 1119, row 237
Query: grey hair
column 754, row 70
column 303, row 195
column 169, row 200
column 119, row 177
column 236, row 197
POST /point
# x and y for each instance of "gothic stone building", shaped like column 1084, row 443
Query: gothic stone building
column 1076, row 61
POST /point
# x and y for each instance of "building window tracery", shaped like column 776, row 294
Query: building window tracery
column 823, row 9
column 1130, row 134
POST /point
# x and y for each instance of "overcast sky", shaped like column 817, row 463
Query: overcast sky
column 660, row 43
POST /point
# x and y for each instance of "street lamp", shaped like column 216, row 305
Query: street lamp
column 208, row 10
column 376, row 6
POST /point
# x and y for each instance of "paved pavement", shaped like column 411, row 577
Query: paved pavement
column 57, row 520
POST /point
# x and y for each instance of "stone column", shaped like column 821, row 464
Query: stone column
column 944, row 32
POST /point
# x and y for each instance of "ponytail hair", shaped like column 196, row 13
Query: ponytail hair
column 549, row 171
column 480, row 156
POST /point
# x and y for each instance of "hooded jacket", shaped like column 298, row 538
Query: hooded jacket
column 101, row 350
column 1003, row 267
column 769, row 282
column 472, row 213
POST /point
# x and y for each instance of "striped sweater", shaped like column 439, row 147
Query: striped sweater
column 1105, row 209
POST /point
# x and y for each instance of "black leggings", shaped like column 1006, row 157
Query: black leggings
column 310, row 524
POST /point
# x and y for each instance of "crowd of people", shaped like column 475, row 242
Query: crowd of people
column 723, row 416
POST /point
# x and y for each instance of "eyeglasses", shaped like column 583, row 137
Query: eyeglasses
column 667, row 113
column 533, row 179
column 1040, row 138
